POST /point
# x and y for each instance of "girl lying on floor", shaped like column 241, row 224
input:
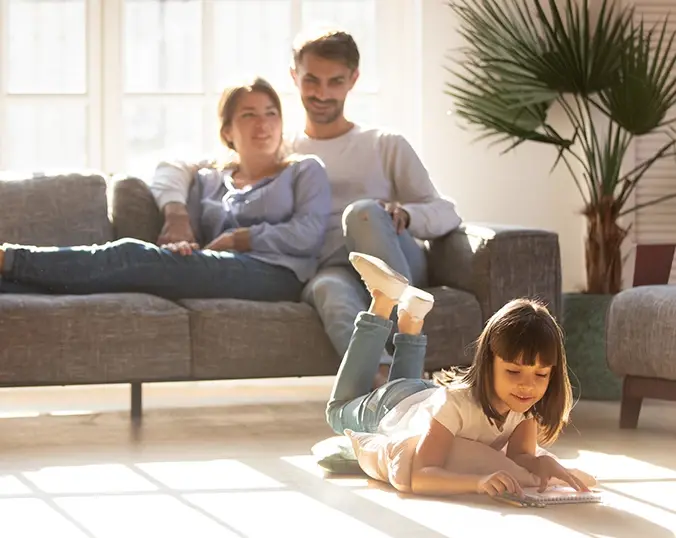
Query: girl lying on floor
column 516, row 393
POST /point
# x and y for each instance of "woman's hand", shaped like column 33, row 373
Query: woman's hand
column 548, row 467
column 184, row 248
column 225, row 241
column 497, row 483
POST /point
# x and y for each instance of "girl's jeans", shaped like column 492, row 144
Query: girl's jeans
column 352, row 404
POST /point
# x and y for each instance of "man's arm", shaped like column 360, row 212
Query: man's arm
column 170, row 186
column 430, row 215
column 171, row 182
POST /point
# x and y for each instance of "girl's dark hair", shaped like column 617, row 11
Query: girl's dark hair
column 522, row 332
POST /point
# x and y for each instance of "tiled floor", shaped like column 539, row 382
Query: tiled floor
column 233, row 459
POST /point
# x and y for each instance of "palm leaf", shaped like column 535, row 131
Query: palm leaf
column 560, row 51
column 645, row 84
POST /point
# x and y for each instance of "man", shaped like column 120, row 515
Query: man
column 383, row 198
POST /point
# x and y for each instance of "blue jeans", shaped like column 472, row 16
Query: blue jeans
column 352, row 404
column 337, row 293
column 129, row 265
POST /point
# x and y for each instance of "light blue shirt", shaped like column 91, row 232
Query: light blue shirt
column 287, row 214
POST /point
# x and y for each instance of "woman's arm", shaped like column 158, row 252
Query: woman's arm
column 170, row 186
column 303, row 234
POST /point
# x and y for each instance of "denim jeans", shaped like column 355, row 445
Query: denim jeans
column 352, row 404
column 337, row 293
column 129, row 265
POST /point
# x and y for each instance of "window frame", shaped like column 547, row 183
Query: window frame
column 104, row 97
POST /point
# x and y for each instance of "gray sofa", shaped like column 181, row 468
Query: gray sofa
column 137, row 338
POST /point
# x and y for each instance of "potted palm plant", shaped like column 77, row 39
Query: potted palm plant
column 613, row 78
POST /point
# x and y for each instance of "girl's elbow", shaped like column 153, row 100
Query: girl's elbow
column 417, row 485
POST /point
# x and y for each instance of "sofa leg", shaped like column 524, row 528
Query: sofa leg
column 136, row 401
column 630, row 408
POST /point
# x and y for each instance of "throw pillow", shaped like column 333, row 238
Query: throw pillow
column 336, row 456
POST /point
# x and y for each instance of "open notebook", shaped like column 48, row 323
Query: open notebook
column 552, row 495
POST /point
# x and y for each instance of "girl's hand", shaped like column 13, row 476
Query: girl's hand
column 548, row 468
column 498, row 483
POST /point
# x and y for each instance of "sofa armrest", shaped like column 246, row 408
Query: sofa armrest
column 133, row 210
column 498, row 263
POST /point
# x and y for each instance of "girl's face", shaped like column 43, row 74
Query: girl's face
column 519, row 387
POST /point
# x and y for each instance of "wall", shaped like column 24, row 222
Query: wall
column 516, row 188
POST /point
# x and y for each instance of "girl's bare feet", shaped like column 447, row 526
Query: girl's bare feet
column 408, row 324
column 381, row 304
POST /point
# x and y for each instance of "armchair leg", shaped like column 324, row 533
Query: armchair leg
column 630, row 408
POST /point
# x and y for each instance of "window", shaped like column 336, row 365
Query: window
column 119, row 84
column 656, row 223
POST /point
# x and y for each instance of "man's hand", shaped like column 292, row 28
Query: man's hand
column 225, row 241
column 176, row 227
column 184, row 248
column 400, row 217
column 548, row 467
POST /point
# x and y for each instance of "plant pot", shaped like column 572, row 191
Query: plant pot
column 584, row 325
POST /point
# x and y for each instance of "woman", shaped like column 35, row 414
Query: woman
column 259, row 223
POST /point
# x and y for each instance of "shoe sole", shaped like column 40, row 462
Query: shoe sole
column 363, row 263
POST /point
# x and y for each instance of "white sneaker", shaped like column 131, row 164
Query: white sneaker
column 377, row 275
column 416, row 302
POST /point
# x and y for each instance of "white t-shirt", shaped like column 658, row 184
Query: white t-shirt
column 456, row 408
column 371, row 163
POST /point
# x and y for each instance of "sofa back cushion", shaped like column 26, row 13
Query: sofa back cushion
column 61, row 210
column 133, row 210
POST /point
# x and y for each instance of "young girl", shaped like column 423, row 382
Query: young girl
column 515, row 393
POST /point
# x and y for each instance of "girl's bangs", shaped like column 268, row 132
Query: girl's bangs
column 528, row 345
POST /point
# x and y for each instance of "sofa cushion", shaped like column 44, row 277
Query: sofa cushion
column 452, row 328
column 247, row 339
column 640, row 334
column 133, row 210
column 60, row 210
column 69, row 339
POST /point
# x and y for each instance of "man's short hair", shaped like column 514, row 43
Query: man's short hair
column 331, row 45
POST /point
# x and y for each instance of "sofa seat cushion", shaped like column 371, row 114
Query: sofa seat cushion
column 235, row 339
column 641, row 334
column 108, row 338
column 246, row 339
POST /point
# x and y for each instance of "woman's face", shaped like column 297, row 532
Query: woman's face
column 256, row 128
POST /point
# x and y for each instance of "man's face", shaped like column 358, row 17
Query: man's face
column 323, row 86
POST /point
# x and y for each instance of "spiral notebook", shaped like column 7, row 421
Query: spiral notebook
column 551, row 496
